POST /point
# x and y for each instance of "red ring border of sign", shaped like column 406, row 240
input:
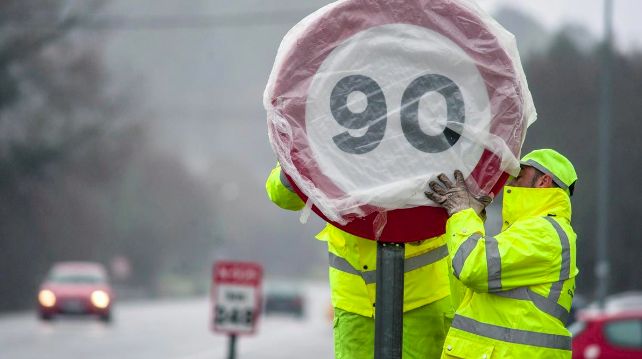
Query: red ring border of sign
column 304, row 59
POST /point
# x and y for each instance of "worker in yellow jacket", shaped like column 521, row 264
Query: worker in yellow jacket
column 427, row 308
column 519, row 283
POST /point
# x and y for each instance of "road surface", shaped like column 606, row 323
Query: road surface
column 176, row 329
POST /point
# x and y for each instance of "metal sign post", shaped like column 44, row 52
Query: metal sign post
column 232, row 347
column 389, row 306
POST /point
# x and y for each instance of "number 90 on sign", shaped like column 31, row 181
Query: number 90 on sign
column 381, row 111
column 374, row 116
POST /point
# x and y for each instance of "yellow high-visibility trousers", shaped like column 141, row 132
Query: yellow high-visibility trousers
column 424, row 332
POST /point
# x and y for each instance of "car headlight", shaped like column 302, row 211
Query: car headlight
column 100, row 299
column 47, row 298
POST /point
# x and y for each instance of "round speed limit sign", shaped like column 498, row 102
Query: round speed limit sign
column 368, row 99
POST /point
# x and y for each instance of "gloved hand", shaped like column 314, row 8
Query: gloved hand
column 456, row 197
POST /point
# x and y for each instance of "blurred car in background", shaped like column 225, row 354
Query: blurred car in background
column 613, row 332
column 76, row 288
column 284, row 298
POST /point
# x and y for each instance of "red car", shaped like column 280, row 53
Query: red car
column 76, row 288
column 613, row 333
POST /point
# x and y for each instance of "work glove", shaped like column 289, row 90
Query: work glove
column 456, row 197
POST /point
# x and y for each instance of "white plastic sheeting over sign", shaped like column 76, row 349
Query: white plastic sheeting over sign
column 369, row 99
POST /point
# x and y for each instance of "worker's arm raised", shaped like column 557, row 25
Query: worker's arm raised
column 527, row 253
column 280, row 191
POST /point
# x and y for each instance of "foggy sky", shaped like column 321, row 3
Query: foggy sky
column 202, row 87
column 554, row 13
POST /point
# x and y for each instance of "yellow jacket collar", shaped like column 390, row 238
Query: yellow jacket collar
column 522, row 202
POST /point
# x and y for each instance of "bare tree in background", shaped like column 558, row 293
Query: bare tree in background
column 77, row 179
column 54, row 110
column 564, row 81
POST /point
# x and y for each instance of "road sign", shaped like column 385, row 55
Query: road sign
column 370, row 99
column 236, row 297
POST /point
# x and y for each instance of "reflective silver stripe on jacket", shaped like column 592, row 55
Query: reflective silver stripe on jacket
column 410, row 264
column 463, row 252
column 493, row 264
column 510, row 335
column 493, row 260
column 542, row 303
column 549, row 305
column 565, row 271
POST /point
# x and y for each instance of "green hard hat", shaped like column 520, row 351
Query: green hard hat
column 554, row 164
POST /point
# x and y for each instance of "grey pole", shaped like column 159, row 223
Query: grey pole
column 389, row 306
column 602, row 268
column 232, row 347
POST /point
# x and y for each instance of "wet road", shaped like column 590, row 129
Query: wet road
column 176, row 329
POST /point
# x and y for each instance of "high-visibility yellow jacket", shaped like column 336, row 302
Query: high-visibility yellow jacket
column 519, row 283
column 353, row 261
